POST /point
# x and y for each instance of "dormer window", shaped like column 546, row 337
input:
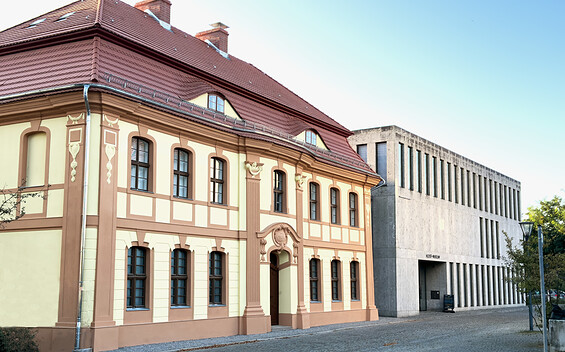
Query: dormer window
column 216, row 103
column 65, row 16
column 311, row 137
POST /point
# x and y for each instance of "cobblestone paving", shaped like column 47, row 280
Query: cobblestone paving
column 495, row 330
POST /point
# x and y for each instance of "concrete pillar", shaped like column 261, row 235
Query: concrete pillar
column 479, row 285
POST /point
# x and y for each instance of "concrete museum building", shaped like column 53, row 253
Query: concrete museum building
column 438, row 225
column 186, row 193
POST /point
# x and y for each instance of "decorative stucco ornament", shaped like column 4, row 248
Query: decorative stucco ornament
column 295, row 253
column 280, row 237
column 263, row 250
column 254, row 168
column 75, row 119
column 299, row 178
column 110, row 152
column 110, row 122
column 74, row 148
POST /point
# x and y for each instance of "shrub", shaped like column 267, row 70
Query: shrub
column 17, row 340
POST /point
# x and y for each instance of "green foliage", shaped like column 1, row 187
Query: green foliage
column 12, row 204
column 524, row 260
column 17, row 340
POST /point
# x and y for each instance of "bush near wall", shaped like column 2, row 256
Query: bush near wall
column 17, row 340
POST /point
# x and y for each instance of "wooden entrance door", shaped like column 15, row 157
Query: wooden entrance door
column 274, row 289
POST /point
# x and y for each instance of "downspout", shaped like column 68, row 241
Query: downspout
column 83, row 219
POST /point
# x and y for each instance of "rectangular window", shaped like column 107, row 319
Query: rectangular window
column 354, row 272
column 505, row 201
column 449, row 182
column 381, row 159
column 217, row 181
column 442, row 179
column 334, row 205
column 139, row 164
column 216, row 278
column 362, row 151
column 462, row 186
column 353, row 210
column 485, row 184
column 469, row 189
column 410, row 168
column 515, row 203
column 180, row 173
column 493, row 239
column 474, row 190
column 335, row 271
column 434, row 176
column 456, row 183
column 496, row 196
column 419, row 169
column 482, row 237
column 510, row 201
column 427, row 173
column 518, row 206
column 479, row 180
column 278, row 191
column 497, row 240
column 179, row 277
column 487, row 240
column 314, row 201
column 315, row 280
column 401, row 175
column 137, row 275
column 490, row 196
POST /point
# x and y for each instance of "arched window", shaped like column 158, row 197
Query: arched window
column 315, row 280
column 354, row 279
column 314, row 201
column 181, row 174
column 279, row 191
column 137, row 277
column 140, row 164
column 35, row 159
column 353, row 218
column 217, row 181
column 334, row 205
column 216, row 103
column 311, row 137
column 216, row 278
column 179, row 277
column 336, row 279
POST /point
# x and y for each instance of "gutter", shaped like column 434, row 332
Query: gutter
column 83, row 219
column 182, row 112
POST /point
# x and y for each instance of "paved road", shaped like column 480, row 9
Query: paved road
column 491, row 330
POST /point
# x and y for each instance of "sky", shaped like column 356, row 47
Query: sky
column 483, row 78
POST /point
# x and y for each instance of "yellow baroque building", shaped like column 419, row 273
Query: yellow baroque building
column 186, row 194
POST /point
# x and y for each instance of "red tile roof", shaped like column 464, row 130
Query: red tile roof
column 137, row 49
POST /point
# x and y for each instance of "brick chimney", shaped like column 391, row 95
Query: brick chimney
column 160, row 8
column 217, row 36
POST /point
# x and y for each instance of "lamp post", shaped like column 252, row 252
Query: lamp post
column 526, row 232
column 527, row 226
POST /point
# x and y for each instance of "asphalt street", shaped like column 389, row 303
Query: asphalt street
column 503, row 329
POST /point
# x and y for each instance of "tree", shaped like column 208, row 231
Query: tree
column 13, row 202
column 524, row 260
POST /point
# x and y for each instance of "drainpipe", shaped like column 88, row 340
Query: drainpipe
column 83, row 219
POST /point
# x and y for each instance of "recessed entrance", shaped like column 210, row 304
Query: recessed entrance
column 432, row 284
column 274, row 288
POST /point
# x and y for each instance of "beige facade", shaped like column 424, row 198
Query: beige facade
column 42, row 250
column 438, row 225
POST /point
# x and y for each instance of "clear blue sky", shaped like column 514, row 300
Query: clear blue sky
column 485, row 79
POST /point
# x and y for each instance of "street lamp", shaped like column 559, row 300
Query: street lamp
column 527, row 226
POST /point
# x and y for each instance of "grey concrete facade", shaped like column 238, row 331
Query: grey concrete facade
column 438, row 225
